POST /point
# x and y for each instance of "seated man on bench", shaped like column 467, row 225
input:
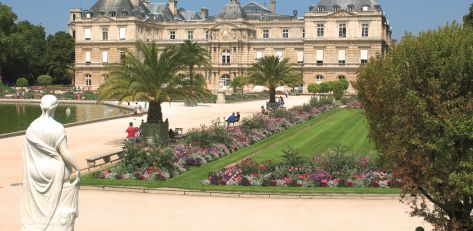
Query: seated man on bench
column 231, row 119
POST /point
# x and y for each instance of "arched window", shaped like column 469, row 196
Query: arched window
column 340, row 77
column 88, row 80
column 226, row 57
column 225, row 79
column 319, row 78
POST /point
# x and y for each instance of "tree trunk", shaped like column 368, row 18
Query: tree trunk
column 191, row 72
column 272, row 94
column 155, row 115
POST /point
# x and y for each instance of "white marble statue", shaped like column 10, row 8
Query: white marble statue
column 50, row 201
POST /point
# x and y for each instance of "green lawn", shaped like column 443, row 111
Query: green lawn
column 346, row 127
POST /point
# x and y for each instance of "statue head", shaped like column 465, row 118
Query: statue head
column 48, row 105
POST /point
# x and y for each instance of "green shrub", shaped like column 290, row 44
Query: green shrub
column 44, row 80
column 205, row 136
column 293, row 157
column 22, row 82
column 254, row 122
column 89, row 95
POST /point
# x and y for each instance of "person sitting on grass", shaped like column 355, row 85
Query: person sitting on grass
column 237, row 117
column 231, row 119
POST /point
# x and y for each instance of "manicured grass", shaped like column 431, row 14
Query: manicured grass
column 346, row 127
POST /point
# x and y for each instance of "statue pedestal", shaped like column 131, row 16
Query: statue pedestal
column 221, row 97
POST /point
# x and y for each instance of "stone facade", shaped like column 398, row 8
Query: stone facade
column 330, row 42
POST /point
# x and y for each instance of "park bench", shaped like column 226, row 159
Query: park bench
column 91, row 161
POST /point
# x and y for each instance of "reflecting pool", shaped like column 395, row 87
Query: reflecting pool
column 17, row 117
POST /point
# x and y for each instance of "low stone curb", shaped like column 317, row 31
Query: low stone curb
column 184, row 192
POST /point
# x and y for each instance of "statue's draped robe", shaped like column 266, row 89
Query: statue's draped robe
column 50, row 202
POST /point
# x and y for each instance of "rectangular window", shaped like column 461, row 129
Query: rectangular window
column 265, row 34
column 303, row 33
column 341, row 57
column 207, row 34
column 285, row 33
column 105, row 56
column 364, row 56
column 74, row 34
column 342, row 30
column 279, row 54
column 364, row 30
column 320, row 30
column 122, row 56
column 320, row 57
column 172, row 34
column 300, row 56
column 87, row 33
column 259, row 55
column 190, row 34
column 87, row 57
column 104, row 34
column 122, row 33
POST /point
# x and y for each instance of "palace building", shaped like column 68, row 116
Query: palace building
column 330, row 41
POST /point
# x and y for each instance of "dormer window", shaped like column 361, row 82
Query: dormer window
column 350, row 7
column 112, row 14
column 124, row 13
column 335, row 8
column 101, row 13
column 321, row 9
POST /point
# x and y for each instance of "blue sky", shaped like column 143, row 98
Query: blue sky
column 404, row 15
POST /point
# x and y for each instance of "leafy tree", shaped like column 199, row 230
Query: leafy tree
column 154, row 79
column 337, row 88
column 59, row 56
column 7, row 22
column 468, row 19
column 271, row 72
column 419, row 106
column 345, row 84
column 27, row 45
column 44, row 80
column 324, row 88
column 237, row 83
column 192, row 54
column 22, row 82
column 313, row 88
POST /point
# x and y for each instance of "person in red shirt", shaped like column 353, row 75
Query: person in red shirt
column 131, row 131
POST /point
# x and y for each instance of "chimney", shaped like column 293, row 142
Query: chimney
column 204, row 13
column 173, row 6
column 272, row 4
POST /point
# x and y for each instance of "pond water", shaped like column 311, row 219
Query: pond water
column 17, row 117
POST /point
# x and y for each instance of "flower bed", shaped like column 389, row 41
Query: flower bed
column 205, row 144
column 333, row 169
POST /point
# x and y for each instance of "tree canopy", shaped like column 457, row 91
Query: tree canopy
column 44, row 80
column 25, row 52
column 419, row 105
column 151, row 78
column 468, row 19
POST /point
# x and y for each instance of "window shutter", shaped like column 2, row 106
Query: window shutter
column 87, row 56
column 87, row 33
column 105, row 56
column 300, row 56
column 364, row 54
column 341, row 55
column 122, row 33
column 320, row 55
column 259, row 54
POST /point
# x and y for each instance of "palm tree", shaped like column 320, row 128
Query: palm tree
column 192, row 54
column 151, row 78
column 272, row 72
